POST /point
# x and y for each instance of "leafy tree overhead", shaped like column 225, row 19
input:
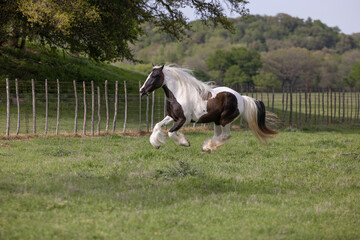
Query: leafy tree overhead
column 103, row 29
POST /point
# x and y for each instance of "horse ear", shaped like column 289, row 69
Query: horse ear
column 162, row 67
column 153, row 65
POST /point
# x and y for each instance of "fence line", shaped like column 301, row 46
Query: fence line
column 318, row 106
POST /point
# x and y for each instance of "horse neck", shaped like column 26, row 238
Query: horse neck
column 187, row 96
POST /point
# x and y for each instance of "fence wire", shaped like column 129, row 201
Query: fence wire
column 17, row 116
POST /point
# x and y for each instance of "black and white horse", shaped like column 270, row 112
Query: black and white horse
column 190, row 100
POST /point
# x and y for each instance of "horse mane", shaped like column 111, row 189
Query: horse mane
column 186, row 78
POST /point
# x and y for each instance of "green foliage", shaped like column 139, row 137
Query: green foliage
column 266, row 80
column 291, row 65
column 102, row 30
column 238, row 65
column 262, row 33
column 353, row 78
column 206, row 46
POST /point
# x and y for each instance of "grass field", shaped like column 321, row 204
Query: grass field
column 304, row 185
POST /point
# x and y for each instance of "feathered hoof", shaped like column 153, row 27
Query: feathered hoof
column 211, row 145
column 183, row 141
column 157, row 138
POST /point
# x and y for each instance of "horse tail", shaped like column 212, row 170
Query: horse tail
column 256, row 116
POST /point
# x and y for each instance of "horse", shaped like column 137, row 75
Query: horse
column 191, row 100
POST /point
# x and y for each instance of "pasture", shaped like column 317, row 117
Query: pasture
column 304, row 185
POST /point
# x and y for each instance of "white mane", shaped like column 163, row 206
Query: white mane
column 187, row 80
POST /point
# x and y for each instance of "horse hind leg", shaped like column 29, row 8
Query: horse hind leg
column 226, row 134
column 216, row 141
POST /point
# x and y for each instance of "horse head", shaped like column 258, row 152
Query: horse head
column 154, row 81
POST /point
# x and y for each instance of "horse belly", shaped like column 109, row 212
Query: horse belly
column 222, row 109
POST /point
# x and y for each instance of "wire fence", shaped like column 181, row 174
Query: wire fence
column 88, row 108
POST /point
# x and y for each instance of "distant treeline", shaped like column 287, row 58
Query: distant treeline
column 323, row 56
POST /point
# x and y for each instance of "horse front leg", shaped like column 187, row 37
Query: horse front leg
column 178, row 137
column 157, row 137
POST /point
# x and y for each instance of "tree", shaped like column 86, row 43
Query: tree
column 291, row 65
column 103, row 29
column 266, row 80
column 238, row 65
column 353, row 78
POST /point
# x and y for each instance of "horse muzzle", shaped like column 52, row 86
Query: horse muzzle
column 143, row 92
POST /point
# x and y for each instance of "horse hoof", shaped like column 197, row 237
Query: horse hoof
column 207, row 150
column 185, row 144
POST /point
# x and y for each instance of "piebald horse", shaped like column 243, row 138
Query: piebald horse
column 190, row 100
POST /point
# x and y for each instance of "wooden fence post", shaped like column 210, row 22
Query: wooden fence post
column 125, row 110
column 306, row 100
column 315, row 99
column 152, row 109
column 296, row 106
column 33, row 105
column 283, row 103
column 139, row 107
column 339, row 115
column 58, row 107
column 76, row 107
column 92, row 107
column 309, row 104
column 343, row 118
column 300, row 106
column 165, row 112
column 18, row 106
column 115, row 105
column 46, row 106
column 107, row 107
column 84, row 125
column 351, row 104
column 291, row 105
column 334, row 107
column 331, row 108
column 147, row 113
column 319, row 105
column 99, row 109
column 357, row 118
column 287, row 103
column 323, row 103
column 7, row 108
column 273, row 99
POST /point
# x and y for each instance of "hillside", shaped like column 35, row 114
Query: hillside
column 261, row 33
column 40, row 64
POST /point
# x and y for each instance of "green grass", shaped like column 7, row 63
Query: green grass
column 304, row 185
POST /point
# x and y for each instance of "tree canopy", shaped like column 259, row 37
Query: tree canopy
column 238, row 65
column 103, row 29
